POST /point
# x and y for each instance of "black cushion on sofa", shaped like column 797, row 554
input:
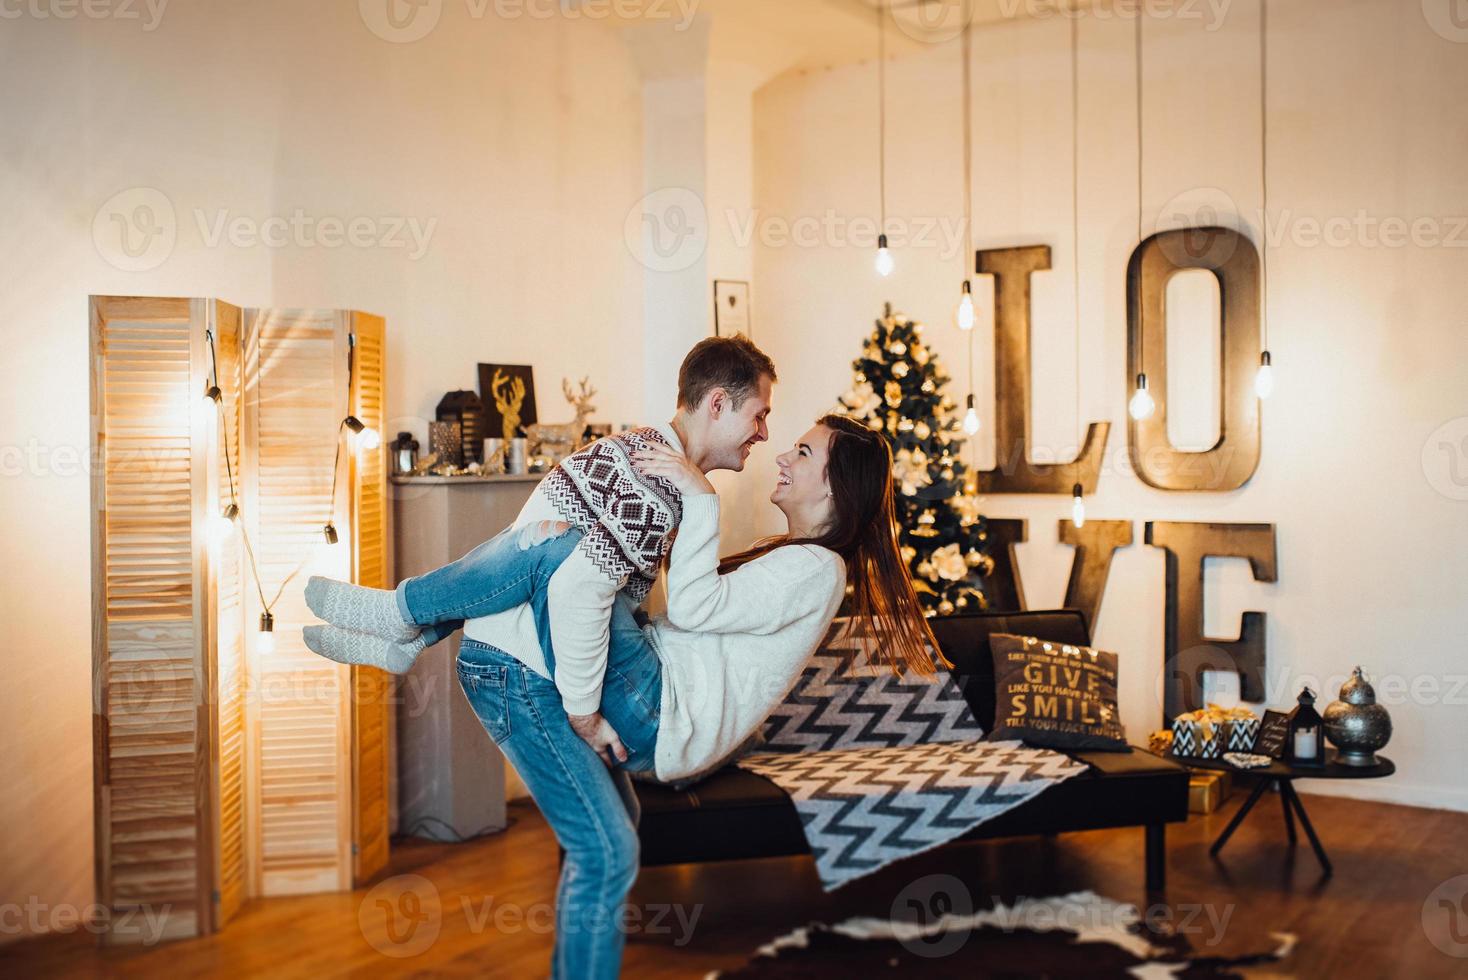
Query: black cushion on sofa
column 965, row 642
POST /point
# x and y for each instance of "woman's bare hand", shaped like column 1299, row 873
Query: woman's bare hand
column 673, row 466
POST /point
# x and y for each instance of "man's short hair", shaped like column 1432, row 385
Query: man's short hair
column 732, row 363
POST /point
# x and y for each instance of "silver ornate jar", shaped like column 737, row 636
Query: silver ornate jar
column 1356, row 724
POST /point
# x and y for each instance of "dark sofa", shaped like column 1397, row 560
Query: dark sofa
column 735, row 814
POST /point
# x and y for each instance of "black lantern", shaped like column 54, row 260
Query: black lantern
column 465, row 408
column 405, row 454
column 1306, row 744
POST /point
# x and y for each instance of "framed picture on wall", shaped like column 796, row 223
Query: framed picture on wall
column 731, row 308
column 507, row 392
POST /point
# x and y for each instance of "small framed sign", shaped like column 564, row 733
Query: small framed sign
column 507, row 394
column 1273, row 731
column 731, row 308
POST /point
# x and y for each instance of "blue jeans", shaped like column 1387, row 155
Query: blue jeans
column 592, row 809
column 515, row 567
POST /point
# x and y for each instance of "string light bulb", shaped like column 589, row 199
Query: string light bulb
column 884, row 257
column 367, row 437
column 1141, row 406
column 223, row 524
column 265, row 639
column 1264, row 380
column 1077, row 507
column 971, row 417
column 213, row 395
column 964, row 314
column 329, row 533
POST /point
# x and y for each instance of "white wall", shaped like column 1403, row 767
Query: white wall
column 518, row 141
column 1369, row 340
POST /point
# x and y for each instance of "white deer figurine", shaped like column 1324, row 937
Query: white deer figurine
column 559, row 440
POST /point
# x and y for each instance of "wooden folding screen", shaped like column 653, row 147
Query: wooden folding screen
column 222, row 771
column 231, row 582
column 372, row 689
column 166, row 697
column 313, row 744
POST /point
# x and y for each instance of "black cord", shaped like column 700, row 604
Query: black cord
column 1141, row 267
column 1075, row 216
column 224, row 417
column 881, row 119
column 229, row 469
column 452, row 833
column 1264, row 166
column 336, row 463
column 968, row 158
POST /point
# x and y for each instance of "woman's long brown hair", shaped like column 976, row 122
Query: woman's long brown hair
column 863, row 531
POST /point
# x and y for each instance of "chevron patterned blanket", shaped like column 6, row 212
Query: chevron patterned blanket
column 863, row 809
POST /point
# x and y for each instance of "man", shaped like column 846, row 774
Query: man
column 627, row 523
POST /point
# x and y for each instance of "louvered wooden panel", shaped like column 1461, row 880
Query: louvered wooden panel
column 372, row 688
column 300, row 762
column 228, row 585
column 150, row 748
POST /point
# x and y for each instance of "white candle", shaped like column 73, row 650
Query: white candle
column 1305, row 743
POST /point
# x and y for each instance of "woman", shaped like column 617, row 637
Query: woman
column 686, row 690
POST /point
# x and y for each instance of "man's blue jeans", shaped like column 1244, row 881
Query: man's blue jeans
column 591, row 808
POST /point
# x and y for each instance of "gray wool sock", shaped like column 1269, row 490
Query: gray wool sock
column 362, row 649
column 358, row 608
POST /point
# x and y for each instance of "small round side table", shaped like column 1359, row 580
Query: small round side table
column 1284, row 774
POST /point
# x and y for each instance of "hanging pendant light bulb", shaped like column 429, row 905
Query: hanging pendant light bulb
column 884, row 257
column 368, row 438
column 223, row 524
column 212, row 394
column 265, row 639
column 329, row 533
column 1264, row 380
column 964, row 314
column 971, row 417
column 1077, row 507
column 1141, row 405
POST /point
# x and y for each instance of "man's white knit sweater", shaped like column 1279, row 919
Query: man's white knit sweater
column 625, row 519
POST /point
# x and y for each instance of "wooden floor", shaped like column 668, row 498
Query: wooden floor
column 493, row 899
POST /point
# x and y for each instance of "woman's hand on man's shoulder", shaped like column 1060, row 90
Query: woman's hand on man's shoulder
column 666, row 462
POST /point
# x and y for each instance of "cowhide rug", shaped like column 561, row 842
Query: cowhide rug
column 1078, row 935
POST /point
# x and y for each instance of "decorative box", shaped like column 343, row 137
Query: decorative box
column 1212, row 731
column 1196, row 739
column 1207, row 790
column 465, row 409
column 1242, row 733
column 445, row 442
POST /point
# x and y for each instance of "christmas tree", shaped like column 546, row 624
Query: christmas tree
column 899, row 391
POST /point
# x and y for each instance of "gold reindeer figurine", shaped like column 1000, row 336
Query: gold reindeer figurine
column 562, row 439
